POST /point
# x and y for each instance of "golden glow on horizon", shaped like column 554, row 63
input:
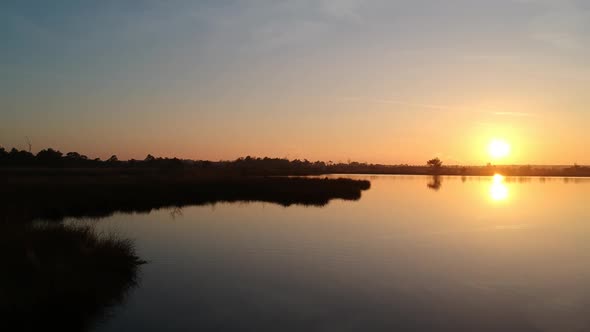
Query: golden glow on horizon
column 498, row 190
column 498, row 178
column 499, row 148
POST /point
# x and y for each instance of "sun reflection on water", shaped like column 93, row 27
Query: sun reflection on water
column 498, row 190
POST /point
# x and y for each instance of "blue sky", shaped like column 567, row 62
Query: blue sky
column 331, row 79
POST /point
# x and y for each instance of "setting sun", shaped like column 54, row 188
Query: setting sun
column 498, row 148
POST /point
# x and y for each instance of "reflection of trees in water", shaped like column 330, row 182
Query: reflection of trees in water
column 58, row 277
column 435, row 183
column 523, row 179
column 176, row 212
column 543, row 179
column 575, row 180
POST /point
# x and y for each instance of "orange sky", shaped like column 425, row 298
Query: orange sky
column 372, row 81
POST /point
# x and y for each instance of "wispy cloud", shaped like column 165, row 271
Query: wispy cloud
column 432, row 107
column 513, row 113
column 401, row 103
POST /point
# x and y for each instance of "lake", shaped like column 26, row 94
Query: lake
column 415, row 253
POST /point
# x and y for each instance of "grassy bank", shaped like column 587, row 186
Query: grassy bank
column 53, row 196
column 61, row 277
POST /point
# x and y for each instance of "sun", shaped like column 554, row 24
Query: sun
column 499, row 148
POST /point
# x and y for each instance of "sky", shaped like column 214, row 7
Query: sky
column 380, row 81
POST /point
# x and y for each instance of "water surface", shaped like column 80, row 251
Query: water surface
column 414, row 253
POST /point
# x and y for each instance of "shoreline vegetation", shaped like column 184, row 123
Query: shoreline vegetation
column 59, row 275
column 29, row 197
column 62, row 277
column 50, row 162
column 51, row 186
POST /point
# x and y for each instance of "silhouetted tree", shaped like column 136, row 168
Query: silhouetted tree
column 435, row 163
column 20, row 157
column 113, row 159
column 49, row 157
column 49, row 154
column 73, row 155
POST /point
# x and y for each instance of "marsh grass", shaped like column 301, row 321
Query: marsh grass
column 32, row 197
column 65, row 276
column 62, row 276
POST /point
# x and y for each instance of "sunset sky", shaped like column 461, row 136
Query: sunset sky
column 377, row 81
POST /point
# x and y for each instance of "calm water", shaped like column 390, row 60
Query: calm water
column 413, row 253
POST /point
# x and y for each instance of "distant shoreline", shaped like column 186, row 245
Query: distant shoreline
column 224, row 170
column 50, row 161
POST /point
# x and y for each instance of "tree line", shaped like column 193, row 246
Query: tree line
column 53, row 158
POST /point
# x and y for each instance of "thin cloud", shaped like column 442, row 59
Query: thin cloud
column 513, row 113
column 403, row 103
column 432, row 107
